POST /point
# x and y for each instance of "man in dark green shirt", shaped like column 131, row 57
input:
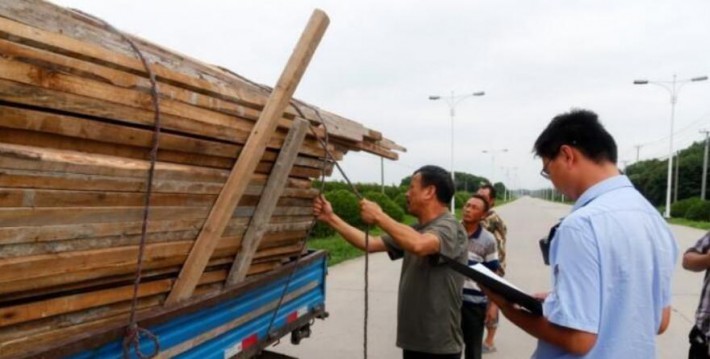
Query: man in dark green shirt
column 429, row 304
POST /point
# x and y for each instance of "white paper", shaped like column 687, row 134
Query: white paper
column 484, row 270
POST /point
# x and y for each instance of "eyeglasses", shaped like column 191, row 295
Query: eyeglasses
column 545, row 172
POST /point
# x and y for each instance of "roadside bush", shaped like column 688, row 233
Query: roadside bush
column 699, row 211
column 394, row 191
column 345, row 204
column 401, row 201
column 331, row 185
column 387, row 205
column 460, row 198
column 322, row 230
column 680, row 208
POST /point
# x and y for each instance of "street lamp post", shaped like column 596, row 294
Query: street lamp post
column 673, row 87
column 493, row 154
column 452, row 101
column 705, row 165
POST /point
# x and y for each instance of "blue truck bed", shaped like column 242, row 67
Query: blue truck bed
column 229, row 326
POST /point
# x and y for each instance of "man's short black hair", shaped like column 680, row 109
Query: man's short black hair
column 491, row 190
column 580, row 129
column 486, row 205
column 440, row 179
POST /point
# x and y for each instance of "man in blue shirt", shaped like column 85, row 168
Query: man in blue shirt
column 612, row 257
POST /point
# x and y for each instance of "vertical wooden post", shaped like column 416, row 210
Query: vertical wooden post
column 267, row 202
column 249, row 158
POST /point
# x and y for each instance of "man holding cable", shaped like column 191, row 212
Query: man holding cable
column 429, row 301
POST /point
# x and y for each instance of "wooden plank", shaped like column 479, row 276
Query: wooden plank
column 126, row 80
column 15, row 332
column 21, row 197
column 267, row 204
column 28, row 158
column 56, row 332
column 20, row 217
column 85, row 147
column 73, row 303
column 46, row 271
column 91, row 338
column 62, row 101
column 135, row 100
column 21, row 338
column 47, row 309
column 68, row 36
column 88, row 231
column 247, row 162
column 35, row 96
column 24, row 157
column 79, row 182
column 184, row 71
column 114, row 277
column 129, row 135
column 64, row 34
column 170, row 234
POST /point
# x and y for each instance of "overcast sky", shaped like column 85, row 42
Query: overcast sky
column 380, row 60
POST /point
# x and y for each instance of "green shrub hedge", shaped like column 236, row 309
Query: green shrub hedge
column 680, row 208
column 401, row 201
column 460, row 198
column 699, row 211
column 388, row 206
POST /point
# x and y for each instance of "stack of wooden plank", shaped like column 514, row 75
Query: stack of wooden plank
column 76, row 125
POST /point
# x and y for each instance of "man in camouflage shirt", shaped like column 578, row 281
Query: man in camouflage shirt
column 494, row 224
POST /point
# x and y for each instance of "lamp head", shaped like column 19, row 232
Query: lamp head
column 479, row 93
column 434, row 97
column 640, row 82
column 700, row 78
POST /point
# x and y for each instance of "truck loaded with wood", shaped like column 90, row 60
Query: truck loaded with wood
column 152, row 204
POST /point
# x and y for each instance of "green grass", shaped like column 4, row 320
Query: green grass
column 689, row 223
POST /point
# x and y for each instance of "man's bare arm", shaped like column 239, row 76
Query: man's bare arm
column 420, row 244
column 696, row 262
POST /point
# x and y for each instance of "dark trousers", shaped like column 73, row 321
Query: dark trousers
column 698, row 344
column 408, row 354
column 473, row 318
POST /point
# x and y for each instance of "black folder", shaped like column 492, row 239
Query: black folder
column 512, row 294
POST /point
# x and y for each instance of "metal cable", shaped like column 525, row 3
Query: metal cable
column 328, row 155
column 305, row 239
column 367, row 229
column 133, row 331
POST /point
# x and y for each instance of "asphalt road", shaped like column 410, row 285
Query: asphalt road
column 528, row 219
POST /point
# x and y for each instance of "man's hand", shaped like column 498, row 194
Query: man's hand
column 370, row 212
column 496, row 300
column 322, row 209
column 541, row 296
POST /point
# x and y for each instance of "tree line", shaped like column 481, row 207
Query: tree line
column 650, row 176
column 391, row 198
